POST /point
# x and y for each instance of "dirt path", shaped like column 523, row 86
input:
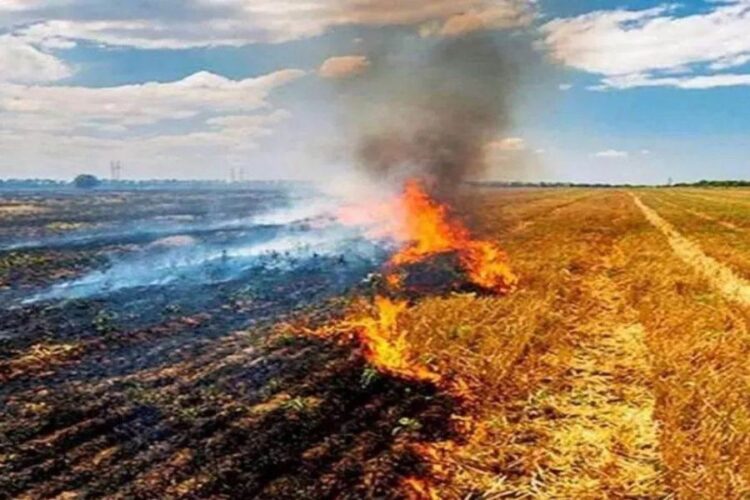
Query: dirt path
column 598, row 435
column 721, row 277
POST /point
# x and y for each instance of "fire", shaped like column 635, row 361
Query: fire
column 384, row 346
column 418, row 489
column 431, row 230
column 424, row 228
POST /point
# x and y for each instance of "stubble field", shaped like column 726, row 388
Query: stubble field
column 617, row 368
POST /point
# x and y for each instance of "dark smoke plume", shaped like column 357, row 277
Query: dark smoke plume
column 433, row 115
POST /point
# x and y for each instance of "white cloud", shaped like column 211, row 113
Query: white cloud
column 206, row 115
column 700, row 82
column 565, row 87
column 202, row 119
column 637, row 48
column 22, row 62
column 25, row 5
column 143, row 104
column 205, row 23
column 344, row 67
column 611, row 153
column 144, row 34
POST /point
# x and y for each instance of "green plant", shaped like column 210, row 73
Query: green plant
column 297, row 404
column 104, row 321
column 369, row 376
column 406, row 424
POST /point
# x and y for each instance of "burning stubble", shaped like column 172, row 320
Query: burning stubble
column 431, row 115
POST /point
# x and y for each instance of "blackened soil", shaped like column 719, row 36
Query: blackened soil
column 186, row 392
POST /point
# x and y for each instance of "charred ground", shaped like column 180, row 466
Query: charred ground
column 187, row 388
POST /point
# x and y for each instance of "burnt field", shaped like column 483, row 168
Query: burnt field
column 250, row 344
column 141, row 354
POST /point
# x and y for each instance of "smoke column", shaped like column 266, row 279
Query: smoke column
column 431, row 115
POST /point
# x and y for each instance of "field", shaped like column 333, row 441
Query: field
column 616, row 369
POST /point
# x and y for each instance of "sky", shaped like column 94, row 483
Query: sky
column 634, row 91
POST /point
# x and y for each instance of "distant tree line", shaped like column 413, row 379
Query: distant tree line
column 31, row 183
column 516, row 184
column 705, row 183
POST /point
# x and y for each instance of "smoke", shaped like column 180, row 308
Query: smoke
column 288, row 238
column 431, row 115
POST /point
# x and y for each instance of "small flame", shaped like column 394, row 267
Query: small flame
column 395, row 280
column 384, row 346
column 418, row 489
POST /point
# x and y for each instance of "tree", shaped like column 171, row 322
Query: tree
column 86, row 181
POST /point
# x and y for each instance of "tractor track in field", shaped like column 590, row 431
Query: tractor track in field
column 531, row 219
column 715, row 199
column 607, row 438
column 593, row 429
column 720, row 276
column 710, row 218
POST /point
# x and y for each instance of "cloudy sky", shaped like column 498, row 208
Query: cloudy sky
column 612, row 90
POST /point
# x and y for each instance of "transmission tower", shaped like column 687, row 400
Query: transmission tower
column 115, row 169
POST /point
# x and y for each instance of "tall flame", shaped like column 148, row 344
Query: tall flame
column 431, row 230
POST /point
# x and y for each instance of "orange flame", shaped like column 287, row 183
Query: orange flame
column 384, row 346
column 431, row 230
column 426, row 228
column 418, row 489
